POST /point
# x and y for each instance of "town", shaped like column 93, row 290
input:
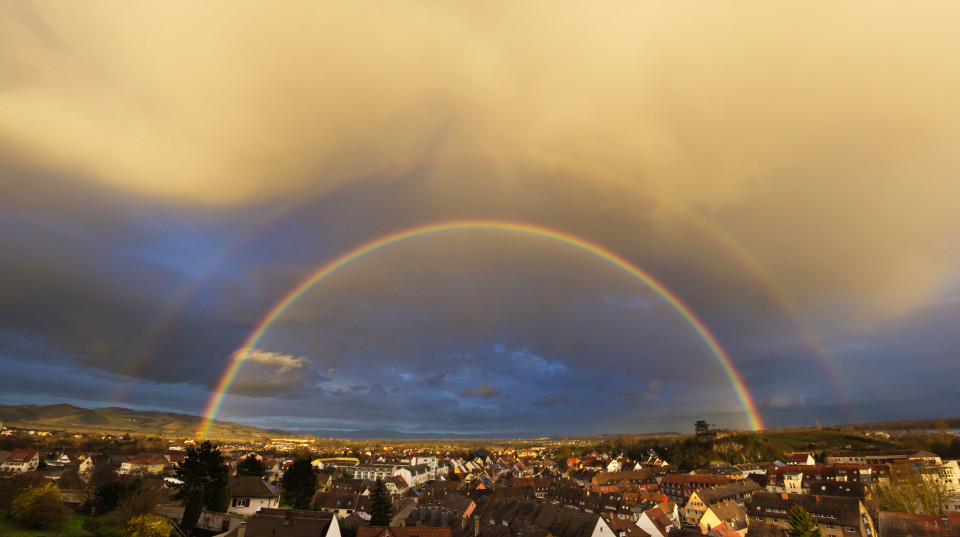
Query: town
column 625, row 487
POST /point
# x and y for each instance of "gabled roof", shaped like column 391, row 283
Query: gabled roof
column 908, row 524
column 21, row 456
column 618, row 524
column 285, row 523
column 249, row 486
column 731, row 514
column 736, row 489
column 827, row 509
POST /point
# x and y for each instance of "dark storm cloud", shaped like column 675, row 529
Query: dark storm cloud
column 483, row 390
column 797, row 196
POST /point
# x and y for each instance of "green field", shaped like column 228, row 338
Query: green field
column 71, row 528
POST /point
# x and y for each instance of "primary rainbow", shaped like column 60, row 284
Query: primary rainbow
column 223, row 386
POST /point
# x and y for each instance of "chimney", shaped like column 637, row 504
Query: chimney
column 242, row 531
column 476, row 527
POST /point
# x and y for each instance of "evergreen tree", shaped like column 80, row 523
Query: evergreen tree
column 251, row 465
column 222, row 501
column 802, row 524
column 203, row 469
column 299, row 484
column 379, row 505
column 192, row 511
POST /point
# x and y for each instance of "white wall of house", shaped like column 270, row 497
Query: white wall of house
column 249, row 506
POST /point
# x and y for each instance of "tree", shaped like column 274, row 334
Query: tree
column 107, row 498
column 909, row 490
column 222, row 501
column 802, row 524
column 40, row 507
column 203, row 469
column 192, row 511
column 148, row 526
column 379, row 505
column 299, row 484
column 701, row 427
column 251, row 465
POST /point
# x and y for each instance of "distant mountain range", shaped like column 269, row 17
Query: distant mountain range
column 116, row 420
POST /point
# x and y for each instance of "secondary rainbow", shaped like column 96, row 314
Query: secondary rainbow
column 228, row 377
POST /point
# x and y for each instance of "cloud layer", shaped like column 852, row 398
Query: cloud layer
column 170, row 171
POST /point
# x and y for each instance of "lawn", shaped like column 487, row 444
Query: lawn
column 71, row 528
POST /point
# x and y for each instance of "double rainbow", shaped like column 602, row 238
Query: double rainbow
column 228, row 377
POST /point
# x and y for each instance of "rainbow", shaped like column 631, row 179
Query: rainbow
column 236, row 362
column 141, row 351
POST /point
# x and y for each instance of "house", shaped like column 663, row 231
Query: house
column 726, row 513
column 841, row 488
column 623, row 528
column 340, row 504
column 20, row 461
column 679, row 487
column 287, row 523
column 144, row 464
column 700, row 500
column 209, row 521
column 631, row 480
column 911, row 525
column 657, row 521
column 836, row 516
column 898, row 456
column 801, row 459
column 249, row 494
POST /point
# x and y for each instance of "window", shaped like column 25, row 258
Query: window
column 829, row 526
column 241, row 502
column 849, row 529
column 760, row 518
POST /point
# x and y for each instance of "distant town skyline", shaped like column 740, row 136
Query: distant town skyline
column 482, row 219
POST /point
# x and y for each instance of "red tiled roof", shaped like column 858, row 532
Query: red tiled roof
column 21, row 455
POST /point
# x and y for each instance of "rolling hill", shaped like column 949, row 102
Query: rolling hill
column 113, row 420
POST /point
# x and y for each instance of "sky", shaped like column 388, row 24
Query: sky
column 784, row 176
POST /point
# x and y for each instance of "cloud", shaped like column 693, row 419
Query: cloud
column 787, row 157
column 483, row 390
column 792, row 182
column 636, row 395
column 555, row 399
column 271, row 374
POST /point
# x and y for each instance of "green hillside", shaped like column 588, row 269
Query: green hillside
column 116, row 420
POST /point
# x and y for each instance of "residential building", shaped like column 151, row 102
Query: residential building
column 287, row 523
column 726, row 512
column 884, row 457
column 679, row 487
column 912, row 525
column 20, row 461
column 657, row 521
column 144, row 464
column 249, row 494
column 738, row 491
column 836, row 516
